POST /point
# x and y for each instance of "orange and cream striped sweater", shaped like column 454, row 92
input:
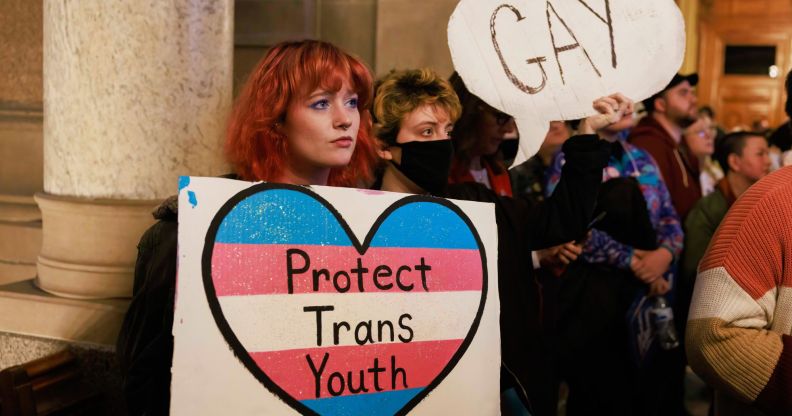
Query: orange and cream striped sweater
column 738, row 332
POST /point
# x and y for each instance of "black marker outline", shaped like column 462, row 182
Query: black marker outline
column 239, row 350
column 536, row 60
column 609, row 23
column 565, row 48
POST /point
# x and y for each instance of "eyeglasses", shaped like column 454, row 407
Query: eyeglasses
column 501, row 118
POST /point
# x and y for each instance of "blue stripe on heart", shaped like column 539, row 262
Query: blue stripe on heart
column 385, row 403
column 281, row 216
column 424, row 225
column 288, row 217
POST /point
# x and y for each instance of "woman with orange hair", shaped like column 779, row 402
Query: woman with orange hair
column 301, row 119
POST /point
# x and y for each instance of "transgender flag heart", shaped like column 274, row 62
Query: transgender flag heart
column 333, row 326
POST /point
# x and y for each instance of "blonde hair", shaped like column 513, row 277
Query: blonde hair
column 401, row 92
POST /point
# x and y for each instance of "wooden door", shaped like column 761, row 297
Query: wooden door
column 740, row 100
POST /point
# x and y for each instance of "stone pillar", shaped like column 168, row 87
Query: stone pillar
column 135, row 94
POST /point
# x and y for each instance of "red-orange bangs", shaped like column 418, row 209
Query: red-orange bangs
column 292, row 71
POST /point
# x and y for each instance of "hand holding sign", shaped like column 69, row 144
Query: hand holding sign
column 549, row 60
column 612, row 110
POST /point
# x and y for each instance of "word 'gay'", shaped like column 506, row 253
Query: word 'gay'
column 551, row 16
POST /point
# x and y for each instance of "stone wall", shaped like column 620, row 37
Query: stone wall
column 20, row 98
column 386, row 34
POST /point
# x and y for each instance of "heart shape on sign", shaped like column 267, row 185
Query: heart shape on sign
column 335, row 327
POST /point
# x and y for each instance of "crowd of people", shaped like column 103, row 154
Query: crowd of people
column 613, row 214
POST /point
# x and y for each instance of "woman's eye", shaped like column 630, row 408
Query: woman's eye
column 352, row 103
column 321, row 104
column 427, row 132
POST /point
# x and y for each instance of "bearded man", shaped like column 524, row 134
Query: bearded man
column 660, row 134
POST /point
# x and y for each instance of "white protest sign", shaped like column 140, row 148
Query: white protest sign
column 333, row 301
column 549, row 60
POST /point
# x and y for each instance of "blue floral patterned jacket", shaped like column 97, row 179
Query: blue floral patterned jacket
column 600, row 247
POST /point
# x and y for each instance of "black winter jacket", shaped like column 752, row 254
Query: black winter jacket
column 145, row 343
column 524, row 226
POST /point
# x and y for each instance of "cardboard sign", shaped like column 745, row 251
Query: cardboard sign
column 333, row 301
column 545, row 60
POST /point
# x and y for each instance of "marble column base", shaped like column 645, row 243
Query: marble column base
column 20, row 237
column 89, row 246
column 27, row 310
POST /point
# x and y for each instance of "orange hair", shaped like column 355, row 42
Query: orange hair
column 290, row 71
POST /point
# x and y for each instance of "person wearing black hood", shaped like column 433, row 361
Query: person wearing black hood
column 530, row 177
column 414, row 114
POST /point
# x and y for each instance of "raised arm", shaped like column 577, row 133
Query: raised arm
column 567, row 211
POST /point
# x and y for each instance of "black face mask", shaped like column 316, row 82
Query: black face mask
column 426, row 163
column 509, row 148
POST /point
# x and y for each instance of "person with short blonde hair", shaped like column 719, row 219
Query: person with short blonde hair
column 415, row 112
column 401, row 92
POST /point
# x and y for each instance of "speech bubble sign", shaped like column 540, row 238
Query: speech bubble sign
column 549, row 60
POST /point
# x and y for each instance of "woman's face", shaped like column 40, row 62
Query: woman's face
column 321, row 131
column 491, row 127
column 700, row 137
column 424, row 124
column 423, row 151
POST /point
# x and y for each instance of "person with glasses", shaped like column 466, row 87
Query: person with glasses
column 477, row 137
column 699, row 141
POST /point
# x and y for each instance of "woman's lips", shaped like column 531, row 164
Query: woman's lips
column 343, row 142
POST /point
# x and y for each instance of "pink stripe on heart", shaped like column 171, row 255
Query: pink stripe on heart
column 250, row 269
column 421, row 361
